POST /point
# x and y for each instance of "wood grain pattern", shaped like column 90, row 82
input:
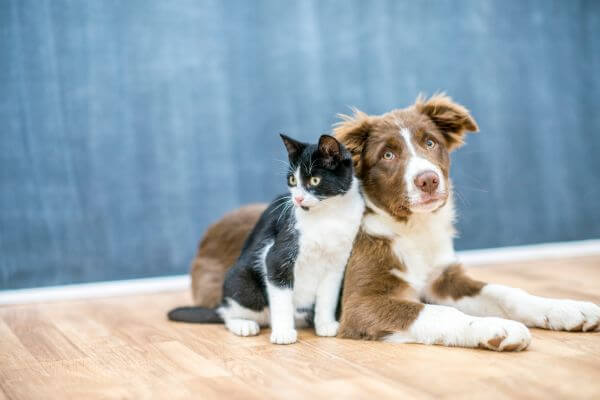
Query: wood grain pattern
column 125, row 348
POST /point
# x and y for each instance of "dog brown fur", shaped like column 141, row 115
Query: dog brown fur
column 453, row 282
column 218, row 250
column 381, row 302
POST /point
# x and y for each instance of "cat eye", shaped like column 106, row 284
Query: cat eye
column 388, row 155
column 430, row 143
column 292, row 180
column 315, row 180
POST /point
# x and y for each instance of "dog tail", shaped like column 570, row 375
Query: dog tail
column 195, row 314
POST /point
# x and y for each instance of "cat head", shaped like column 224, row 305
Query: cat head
column 317, row 171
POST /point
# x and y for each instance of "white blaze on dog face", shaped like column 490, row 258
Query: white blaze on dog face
column 417, row 165
column 406, row 166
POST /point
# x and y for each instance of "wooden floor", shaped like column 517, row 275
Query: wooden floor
column 125, row 348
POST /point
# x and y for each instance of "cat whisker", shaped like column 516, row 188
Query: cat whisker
column 312, row 164
column 285, row 210
column 288, row 167
column 281, row 204
column 283, row 199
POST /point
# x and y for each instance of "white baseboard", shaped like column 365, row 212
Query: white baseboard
column 95, row 290
column 530, row 252
column 182, row 282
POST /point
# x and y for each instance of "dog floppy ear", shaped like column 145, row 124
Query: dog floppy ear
column 451, row 118
column 352, row 131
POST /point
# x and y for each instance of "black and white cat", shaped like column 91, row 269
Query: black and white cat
column 292, row 265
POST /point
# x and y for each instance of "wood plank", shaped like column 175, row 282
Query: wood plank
column 125, row 348
column 190, row 361
column 38, row 335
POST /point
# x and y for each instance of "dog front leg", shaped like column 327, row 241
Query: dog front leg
column 404, row 321
column 454, row 288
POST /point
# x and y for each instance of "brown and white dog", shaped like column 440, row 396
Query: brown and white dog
column 403, row 281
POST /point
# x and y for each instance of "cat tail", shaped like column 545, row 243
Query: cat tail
column 195, row 314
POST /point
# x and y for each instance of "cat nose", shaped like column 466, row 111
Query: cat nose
column 299, row 199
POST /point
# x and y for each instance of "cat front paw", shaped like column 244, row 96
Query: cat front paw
column 243, row 327
column 284, row 336
column 327, row 328
column 570, row 315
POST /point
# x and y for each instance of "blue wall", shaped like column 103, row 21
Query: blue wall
column 128, row 126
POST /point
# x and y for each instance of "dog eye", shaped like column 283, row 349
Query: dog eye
column 388, row 155
column 315, row 180
column 430, row 143
column 292, row 180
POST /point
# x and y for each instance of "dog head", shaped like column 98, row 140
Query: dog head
column 402, row 157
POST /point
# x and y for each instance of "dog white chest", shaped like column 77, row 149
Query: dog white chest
column 423, row 244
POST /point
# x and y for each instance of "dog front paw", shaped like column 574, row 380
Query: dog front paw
column 284, row 336
column 327, row 328
column 499, row 334
column 570, row 315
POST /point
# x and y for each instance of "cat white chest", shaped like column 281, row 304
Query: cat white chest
column 324, row 245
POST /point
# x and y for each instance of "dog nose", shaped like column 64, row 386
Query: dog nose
column 299, row 199
column 427, row 181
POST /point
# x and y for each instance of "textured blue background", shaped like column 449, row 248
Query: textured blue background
column 128, row 126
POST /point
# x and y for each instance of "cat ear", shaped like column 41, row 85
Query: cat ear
column 294, row 147
column 452, row 119
column 331, row 150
